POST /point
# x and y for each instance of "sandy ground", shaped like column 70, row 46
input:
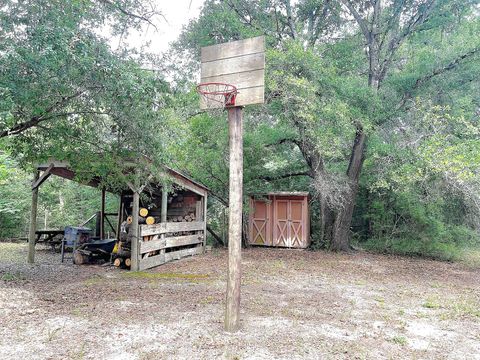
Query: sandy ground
column 295, row 305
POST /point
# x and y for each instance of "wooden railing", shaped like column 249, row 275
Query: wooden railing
column 163, row 236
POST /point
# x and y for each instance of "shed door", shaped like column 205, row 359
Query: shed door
column 296, row 224
column 289, row 224
column 280, row 228
column 259, row 230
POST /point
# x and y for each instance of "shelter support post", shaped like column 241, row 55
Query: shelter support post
column 33, row 220
column 120, row 217
column 205, row 221
column 232, row 312
column 163, row 209
column 102, row 215
column 135, row 250
column 163, row 212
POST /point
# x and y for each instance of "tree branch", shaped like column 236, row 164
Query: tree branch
column 360, row 21
column 413, row 23
column 439, row 71
column 130, row 14
column 291, row 24
column 35, row 120
column 283, row 141
column 285, row 176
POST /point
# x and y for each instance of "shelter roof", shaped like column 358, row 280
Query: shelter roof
column 63, row 169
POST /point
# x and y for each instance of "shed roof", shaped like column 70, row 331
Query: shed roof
column 289, row 193
column 283, row 193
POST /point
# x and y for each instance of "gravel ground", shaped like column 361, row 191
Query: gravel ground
column 295, row 305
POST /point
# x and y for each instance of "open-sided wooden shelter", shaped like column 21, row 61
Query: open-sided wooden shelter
column 280, row 219
column 179, row 216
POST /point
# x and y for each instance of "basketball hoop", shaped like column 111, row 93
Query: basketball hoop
column 217, row 95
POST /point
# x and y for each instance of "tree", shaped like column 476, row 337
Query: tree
column 331, row 85
column 67, row 94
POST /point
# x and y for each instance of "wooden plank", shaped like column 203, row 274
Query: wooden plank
column 239, row 64
column 241, row 80
column 152, row 245
column 162, row 228
column 152, row 261
column 176, row 255
column 250, row 96
column 233, row 48
column 168, row 242
column 56, row 164
column 254, row 95
column 183, row 240
column 46, row 174
column 180, row 180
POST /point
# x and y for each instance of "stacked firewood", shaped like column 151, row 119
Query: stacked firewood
column 142, row 218
column 186, row 218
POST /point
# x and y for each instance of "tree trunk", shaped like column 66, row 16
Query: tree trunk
column 343, row 220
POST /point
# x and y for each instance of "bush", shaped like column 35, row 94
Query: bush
column 407, row 224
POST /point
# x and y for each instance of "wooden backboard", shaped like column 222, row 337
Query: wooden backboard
column 239, row 63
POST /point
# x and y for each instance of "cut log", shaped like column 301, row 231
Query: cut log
column 128, row 262
column 150, row 220
column 118, row 262
column 78, row 258
column 143, row 212
column 141, row 220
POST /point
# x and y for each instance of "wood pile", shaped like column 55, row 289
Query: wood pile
column 142, row 218
column 186, row 218
column 180, row 209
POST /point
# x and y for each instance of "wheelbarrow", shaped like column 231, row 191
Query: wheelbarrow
column 93, row 251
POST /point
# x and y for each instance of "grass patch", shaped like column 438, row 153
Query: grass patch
column 431, row 303
column 95, row 280
column 471, row 258
column 52, row 334
column 7, row 277
column 278, row 264
column 399, row 340
column 173, row 276
column 465, row 307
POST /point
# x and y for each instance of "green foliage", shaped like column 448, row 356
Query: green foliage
column 61, row 202
column 423, row 194
column 67, row 95
column 419, row 190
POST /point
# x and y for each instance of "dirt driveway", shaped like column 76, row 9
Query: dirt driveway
column 295, row 305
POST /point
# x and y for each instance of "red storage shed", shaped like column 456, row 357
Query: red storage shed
column 280, row 219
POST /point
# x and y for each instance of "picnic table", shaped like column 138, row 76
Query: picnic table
column 49, row 236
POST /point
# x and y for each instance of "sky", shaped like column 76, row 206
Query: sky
column 177, row 14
